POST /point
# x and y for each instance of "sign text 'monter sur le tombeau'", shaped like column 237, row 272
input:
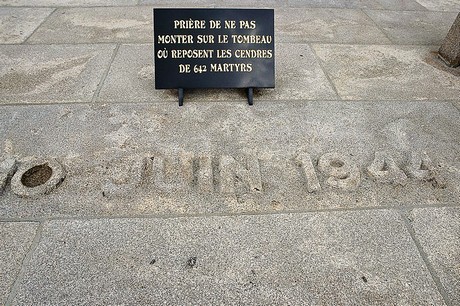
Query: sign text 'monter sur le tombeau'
column 214, row 48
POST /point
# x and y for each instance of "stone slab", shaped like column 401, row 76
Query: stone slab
column 51, row 73
column 441, row 5
column 95, row 25
column 180, row 3
column 19, row 23
column 359, row 4
column 252, row 3
column 337, row 258
column 298, row 76
column 15, row 241
column 387, row 72
column 438, row 231
column 413, row 27
column 450, row 48
column 58, row 3
column 227, row 157
column 326, row 25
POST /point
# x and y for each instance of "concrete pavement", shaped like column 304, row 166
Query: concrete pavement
column 338, row 187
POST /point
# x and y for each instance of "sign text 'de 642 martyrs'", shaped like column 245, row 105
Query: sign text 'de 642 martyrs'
column 214, row 48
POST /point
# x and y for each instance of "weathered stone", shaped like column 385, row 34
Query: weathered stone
column 329, row 258
column 18, row 23
column 413, row 27
column 221, row 157
column 37, row 176
column 7, row 169
column 326, row 25
column 15, row 241
column 92, row 25
column 438, row 230
column 386, row 72
column 450, row 48
column 51, row 73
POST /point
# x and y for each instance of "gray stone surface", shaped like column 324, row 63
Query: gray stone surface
column 15, row 241
column 412, row 27
column 54, row 3
column 51, row 73
column 298, row 77
column 387, row 72
column 227, row 157
column 336, row 258
column 19, row 23
column 326, row 25
column 180, row 3
column 438, row 231
column 441, row 5
column 252, row 3
column 359, row 4
column 450, row 48
column 92, row 25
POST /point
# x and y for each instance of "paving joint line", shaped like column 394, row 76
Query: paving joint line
column 157, row 102
column 425, row 259
column 378, row 26
column 39, row 26
column 326, row 73
column 25, row 263
column 226, row 214
column 105, row 74
column 456, row 104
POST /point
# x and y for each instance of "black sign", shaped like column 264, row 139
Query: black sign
column 214, row 48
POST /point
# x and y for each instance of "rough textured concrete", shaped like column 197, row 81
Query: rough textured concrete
column 54, row 73
column 441, row 5
column 15, row 241
column 411, row 27
column 298, row 77
column 92, row 25
column 438, row 231
column 326, row 25
column 19, row 23
column 450, row 48
column 227, row 157
column 327, row 259
column 386, row 72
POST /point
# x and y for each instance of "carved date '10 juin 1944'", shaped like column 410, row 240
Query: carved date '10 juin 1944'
column 199, row 172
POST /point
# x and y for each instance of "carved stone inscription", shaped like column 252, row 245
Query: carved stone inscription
column 228, row 175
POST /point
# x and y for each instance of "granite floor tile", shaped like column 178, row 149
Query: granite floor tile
column 414, row 27
column 252, row 3
column 58, row 3
column 180, row 3
column 359, row 4
column 228, row 157
column 324, row 258
column 15, row 241
column 51, row 73
column 441, row 5
column 93, row 25
column 326, row 25
column 298, row 76
column 19, row 23
column 387, row 72
column 438, row 231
